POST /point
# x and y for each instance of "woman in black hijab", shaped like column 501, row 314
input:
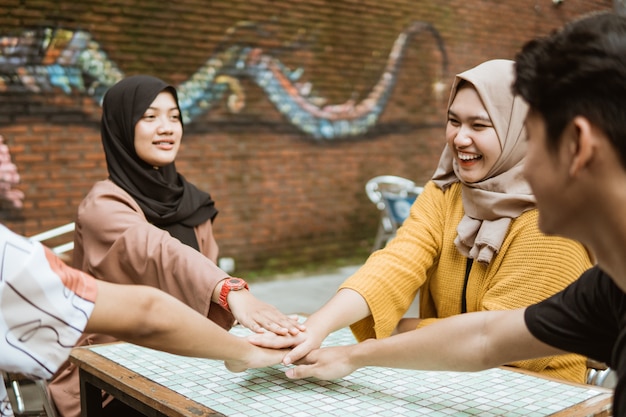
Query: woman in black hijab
column 168, row 200
column 147, row 225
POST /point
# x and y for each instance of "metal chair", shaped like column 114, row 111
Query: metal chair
column 393, row 196
column 30, row 397
column 600, row 374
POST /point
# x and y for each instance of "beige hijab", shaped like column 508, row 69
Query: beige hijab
column 491, row 204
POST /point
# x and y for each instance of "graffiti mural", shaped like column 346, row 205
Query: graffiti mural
column 45, row 59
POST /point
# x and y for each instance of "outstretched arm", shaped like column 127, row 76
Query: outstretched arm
column 467, row 342
column 154, row 319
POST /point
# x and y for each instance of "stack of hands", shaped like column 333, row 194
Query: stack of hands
column 294, row 343
column 303, row 349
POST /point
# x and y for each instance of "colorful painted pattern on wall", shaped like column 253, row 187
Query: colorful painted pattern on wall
column 44, row 59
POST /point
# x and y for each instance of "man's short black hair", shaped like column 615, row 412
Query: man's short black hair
column 579, row 70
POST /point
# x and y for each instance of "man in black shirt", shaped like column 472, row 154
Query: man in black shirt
column 575, row 83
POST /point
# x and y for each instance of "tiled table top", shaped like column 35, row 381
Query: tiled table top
column 366, row 392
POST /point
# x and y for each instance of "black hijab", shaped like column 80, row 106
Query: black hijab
column 166, row 198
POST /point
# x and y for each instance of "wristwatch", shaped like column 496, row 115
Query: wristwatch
column 231, row 284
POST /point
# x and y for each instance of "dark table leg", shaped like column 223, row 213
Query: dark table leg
column 90, row 397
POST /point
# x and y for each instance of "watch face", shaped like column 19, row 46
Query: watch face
column 236, row 283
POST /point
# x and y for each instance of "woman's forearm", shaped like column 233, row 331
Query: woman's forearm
column 344, row 308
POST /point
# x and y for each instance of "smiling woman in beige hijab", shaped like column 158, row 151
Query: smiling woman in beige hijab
column 477, row 206
column 503, row 194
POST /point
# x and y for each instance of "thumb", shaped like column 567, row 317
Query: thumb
column 235, row 366
column 299, row 372
column 296, row 354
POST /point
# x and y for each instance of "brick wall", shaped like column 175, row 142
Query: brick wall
column 284, row 197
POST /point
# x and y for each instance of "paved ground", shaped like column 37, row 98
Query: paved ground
column 305, row 294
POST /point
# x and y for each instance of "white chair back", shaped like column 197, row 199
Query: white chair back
column 393, row 196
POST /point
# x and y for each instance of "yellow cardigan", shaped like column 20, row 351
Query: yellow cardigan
column 529, row 267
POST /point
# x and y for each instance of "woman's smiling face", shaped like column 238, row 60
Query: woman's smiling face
column 471, row 136
column 159, row 131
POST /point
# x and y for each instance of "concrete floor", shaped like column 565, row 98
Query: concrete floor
column 306, row 294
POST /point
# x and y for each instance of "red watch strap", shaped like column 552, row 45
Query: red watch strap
column 231, row 284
